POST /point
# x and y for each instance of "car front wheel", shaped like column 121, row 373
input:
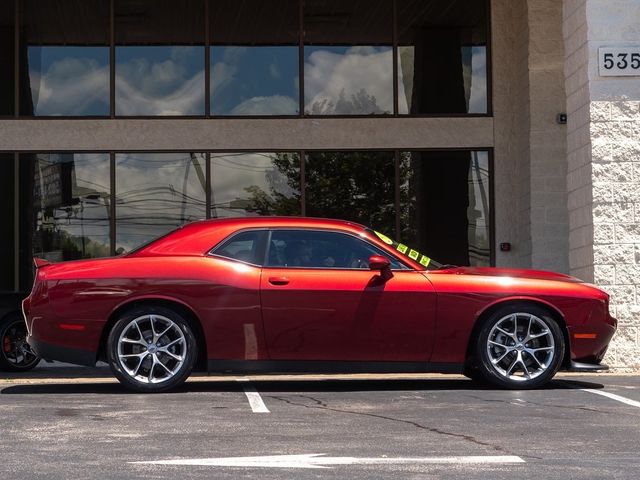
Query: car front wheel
column 152, row 349
column 519, row 347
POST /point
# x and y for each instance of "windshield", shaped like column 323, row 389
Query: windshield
column 408, row 252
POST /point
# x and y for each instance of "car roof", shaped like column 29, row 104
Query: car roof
column 197, row 238
column 279, row 221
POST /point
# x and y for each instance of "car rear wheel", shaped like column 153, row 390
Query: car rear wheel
column 519, row 347
column 15, row 353
column 152, row 349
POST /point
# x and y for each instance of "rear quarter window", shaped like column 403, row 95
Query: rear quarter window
column 246, row 247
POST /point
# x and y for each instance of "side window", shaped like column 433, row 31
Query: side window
column 244, row 247
column 320, row 249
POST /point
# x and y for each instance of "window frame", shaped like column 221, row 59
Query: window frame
column 329, row 230
column 260, row 249
column 208, row 5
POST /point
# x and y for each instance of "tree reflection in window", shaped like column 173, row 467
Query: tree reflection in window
column 249, row 184
column 357, row 186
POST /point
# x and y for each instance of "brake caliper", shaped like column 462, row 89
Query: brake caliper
column 6, row 344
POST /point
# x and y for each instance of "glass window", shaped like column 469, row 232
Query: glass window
column 159, row 57
column 71, row 207
column 155, row 193
column 67, row 58
column 7, row 58
column 357, row 186
column 250, row 184
column 442, row 57
column 7, row 211
column 254, row 57
column 348, row 57
column 244, row 247
column 445, row 205
column 321, row 249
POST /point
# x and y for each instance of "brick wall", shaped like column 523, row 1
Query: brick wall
column 603, row 179
column 615, row 137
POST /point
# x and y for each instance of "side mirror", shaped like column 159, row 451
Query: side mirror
column 378, row 262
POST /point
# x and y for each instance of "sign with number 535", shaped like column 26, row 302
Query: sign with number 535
column 619, row 61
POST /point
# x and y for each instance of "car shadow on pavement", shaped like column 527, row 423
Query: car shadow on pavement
column 288, row 385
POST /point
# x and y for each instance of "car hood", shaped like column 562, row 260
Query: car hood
column 513, row 273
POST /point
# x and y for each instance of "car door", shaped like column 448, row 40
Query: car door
column 320, row 301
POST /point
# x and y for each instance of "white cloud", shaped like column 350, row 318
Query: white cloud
column 272, row 105
column 478, row 95
column 359, row 81
column 70, row 87
column 186, row 99
column 274, row 71
column 155, row 193
column 169, row 87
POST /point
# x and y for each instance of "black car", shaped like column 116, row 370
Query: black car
column 15, row 353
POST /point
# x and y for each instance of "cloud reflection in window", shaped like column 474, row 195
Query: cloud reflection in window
column 348, row 80
column 254, row 80
column 155, row 193
column 159, row 80
column 69, row 81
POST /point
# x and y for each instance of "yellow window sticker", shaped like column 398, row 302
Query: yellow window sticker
column 384, row 238
column 424, row 260
column 402, row 248
column 413, row 254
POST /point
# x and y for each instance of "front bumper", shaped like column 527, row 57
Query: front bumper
column 586, row 367
column 62, row 354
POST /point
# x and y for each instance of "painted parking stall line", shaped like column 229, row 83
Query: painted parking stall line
column 254, row 398
column 613, row 396
column 319, row 460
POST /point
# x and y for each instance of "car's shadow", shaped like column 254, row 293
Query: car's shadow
column 287, row 386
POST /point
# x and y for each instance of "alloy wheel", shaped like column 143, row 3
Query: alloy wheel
column 16, row 351
column 520, row 346
column 152, row 349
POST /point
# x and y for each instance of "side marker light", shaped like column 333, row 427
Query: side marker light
column 72, row 326
column 585, row 335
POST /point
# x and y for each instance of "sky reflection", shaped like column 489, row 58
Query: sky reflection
column 159, row 80
column 254, row 80
column 70, row 81
column 348, row 80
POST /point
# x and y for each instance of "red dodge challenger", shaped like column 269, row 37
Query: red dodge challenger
column 301, row 294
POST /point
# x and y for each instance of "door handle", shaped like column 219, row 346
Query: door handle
column 278, row 280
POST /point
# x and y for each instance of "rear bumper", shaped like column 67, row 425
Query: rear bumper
column 62, row 354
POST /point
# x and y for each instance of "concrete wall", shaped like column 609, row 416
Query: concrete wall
column 510, row 39
column 530, row 147
column 547, row 139
column 604, row 163
column 238, row 134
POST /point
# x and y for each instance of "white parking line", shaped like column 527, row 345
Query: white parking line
column 319, row 460
column 613, row 396
column 255, row 400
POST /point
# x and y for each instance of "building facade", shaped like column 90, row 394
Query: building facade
column 485, row 132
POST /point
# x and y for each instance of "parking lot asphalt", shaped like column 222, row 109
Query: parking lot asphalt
column 70, row 423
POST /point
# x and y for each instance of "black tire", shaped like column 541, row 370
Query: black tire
column 534, row 352
column 15, row 353
column 472, row 372
column 140, row 369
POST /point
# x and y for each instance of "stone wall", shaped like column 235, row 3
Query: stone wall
column 615, row 137
column 604, row 164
